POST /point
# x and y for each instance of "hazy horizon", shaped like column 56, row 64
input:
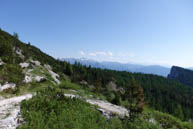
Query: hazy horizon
column 135, row 63
column 143, row 32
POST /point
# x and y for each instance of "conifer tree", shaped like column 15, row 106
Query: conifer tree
column 6, row 52
column 15, row 35
column 178, row 112
column 69, row 70
column 135, row 98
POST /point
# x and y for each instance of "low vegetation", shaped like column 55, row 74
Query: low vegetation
column 11, row 73
column 50, row 109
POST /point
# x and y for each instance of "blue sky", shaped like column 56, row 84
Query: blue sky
column 137, row 31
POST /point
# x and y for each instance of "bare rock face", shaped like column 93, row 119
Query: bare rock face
column 182, row 75
column 174, row 73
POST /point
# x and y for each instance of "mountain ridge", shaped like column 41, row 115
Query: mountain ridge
column 130, row 67
column 182, row 75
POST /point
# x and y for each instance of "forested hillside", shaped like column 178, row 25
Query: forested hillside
column 13, row 52
column 148, row 98
column 182, row 75
column 160, row 93
column 10, row 46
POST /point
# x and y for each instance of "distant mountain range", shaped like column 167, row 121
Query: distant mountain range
column 148, row 69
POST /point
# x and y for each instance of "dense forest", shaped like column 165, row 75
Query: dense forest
column 160, row 93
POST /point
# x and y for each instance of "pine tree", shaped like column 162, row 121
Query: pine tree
column 178, row 112
column 15, row 35
column 69, row 70
column 135, row 98
column 6, row 52
column 98, row 85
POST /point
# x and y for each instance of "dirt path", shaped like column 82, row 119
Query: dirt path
column 9, row 111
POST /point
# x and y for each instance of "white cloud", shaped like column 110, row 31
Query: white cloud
column 126, row 55
column 108, row 56
column 110, row 53
column 101, row 53
column 82, row 53
column 92, row 54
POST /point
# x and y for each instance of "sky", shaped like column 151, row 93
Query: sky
column 127, row 31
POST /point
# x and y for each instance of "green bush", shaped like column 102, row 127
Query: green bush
column 11, row 73
column 167, row 121
column 50, row 109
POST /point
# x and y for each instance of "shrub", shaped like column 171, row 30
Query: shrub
column 50, row 109
column 11, row 73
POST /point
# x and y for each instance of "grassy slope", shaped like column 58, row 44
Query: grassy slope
column 12, row 72
column 48, row 111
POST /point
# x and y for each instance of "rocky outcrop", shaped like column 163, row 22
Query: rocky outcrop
column 35, row 62
column 7, row 86
column 18, row 51
column 54, row 75
column 1, row 62
column 109, row 109
column 182, row 75
column 29, row 77
column 24, row 65
column 106, row 108
column 42, row 73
